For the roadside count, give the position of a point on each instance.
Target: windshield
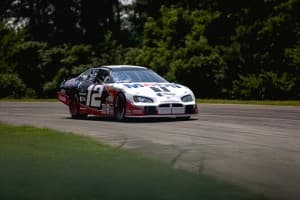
(136, 75)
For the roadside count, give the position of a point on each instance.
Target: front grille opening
(150, 110)
(166, 105)
(177, 105)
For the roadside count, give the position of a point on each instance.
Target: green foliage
(29, 66)
(176, 46)
(225, 53)
(11, 83)
(9, 40)
(266, 85)
(227, 49)
(65, 61)
(109, 52)
(11, 86)
(61, 62)
(72, 21)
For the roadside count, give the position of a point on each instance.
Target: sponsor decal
(134, 85)
(154, 86)
(168, 94)
(170, 101)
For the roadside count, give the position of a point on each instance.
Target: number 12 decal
(94, 95)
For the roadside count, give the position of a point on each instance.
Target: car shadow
(156, 120)
(132, 120)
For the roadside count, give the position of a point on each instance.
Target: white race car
(125, 91)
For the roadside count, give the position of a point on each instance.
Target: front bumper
(163, 110)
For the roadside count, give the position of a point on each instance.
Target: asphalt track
(257, 147)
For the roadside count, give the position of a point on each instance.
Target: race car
(125, 91)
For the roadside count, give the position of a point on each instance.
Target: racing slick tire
(74, 108)
(120, 108)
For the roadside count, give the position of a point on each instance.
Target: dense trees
(221, 49)
(69, 21)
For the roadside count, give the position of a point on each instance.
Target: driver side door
(92, 91)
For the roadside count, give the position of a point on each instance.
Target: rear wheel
(74, 107)
(120, 107)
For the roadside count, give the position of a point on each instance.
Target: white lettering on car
(94, 95)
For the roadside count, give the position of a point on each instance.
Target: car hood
(159, 92)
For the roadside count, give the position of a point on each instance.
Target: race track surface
(257, 147)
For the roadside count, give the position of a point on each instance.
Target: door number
(94, 95)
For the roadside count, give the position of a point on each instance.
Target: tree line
(248, 49)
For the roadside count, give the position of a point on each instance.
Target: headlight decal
(142, 99)
(187, 98)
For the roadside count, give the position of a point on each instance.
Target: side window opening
(102, 76)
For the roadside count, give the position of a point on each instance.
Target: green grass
(253, 102)
(45, 164)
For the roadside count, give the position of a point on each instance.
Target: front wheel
(120, 108)
(74, 108)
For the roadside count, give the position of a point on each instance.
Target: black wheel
(120, 108)
(75, 108)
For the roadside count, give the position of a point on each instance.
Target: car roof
(121, 67)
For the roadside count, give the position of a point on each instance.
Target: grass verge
(252, 102)
(45, 164)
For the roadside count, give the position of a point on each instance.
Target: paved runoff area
(257, 147)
